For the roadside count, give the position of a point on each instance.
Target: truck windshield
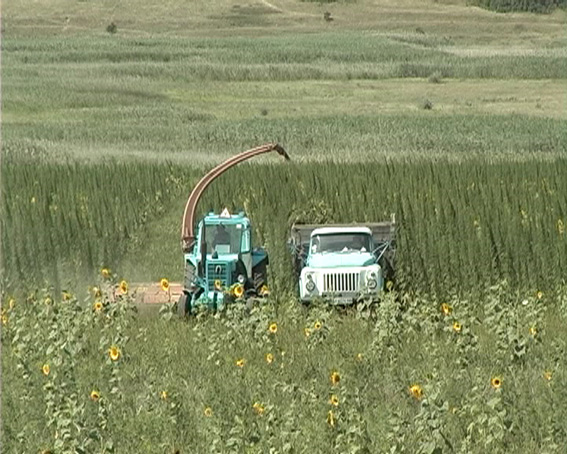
(223, 238)
(341, 242)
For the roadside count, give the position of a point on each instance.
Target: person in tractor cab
(221, 236)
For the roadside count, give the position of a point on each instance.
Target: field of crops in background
(451, 117)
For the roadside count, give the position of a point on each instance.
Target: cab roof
(338, 230)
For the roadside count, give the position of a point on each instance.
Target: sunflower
(208, 412)
(46, 369)
(496, 382)
(4, 319)
(264, 290)
(97, 306)
(114, 353)
(258, 408)
(335, 378)
(539, 295)
(239, 290)
(334, 400)
(164, 284)
(218, 284)
(95, 395)
(269, 358)
(241, 362)
(359, 357)
(163, 395)
(96, 292)
(317, 325)
(548, 375)
(307, 332)
(105, 273)
(331, 420)
(123, 287)
(66, 296)
(533, 331)
(11, 303)
(457, 327)
(416, 391)
(273, 328)
(446, 309)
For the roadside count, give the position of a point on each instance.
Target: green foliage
(263, 380)
(532, 6)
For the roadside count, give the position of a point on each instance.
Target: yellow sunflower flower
(359, 357)
(96, 292)
(533, 331)
(264, 290)
(46, 369)
(496, 382)
(334, 400)
(11, 303)
(457, 327)
(335, 378)
(317, 325)
(273, 328)
(258, 408)
(208, 412)
(97, 306)
(241, 362)
(4, 319)
(164, 284)
(416, 391)
(331, 420)
(163, 395)
(446, 309)
(539, 295)
(269, 358)
(67, 296)
(239, 290)
(123, 287)
(307, 332)
(95, 395)
(548, 375)
(114, 353)
(105, 273)
(218, 284)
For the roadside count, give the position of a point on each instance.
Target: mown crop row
(461, 225)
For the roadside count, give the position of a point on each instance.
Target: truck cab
(342, 263)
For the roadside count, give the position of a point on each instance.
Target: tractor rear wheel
(183, 308)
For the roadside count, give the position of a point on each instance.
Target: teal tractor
(220, 263)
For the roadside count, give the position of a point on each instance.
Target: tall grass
(451, 236)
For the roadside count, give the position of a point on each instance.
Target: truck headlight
(310, 285)
(372, 283)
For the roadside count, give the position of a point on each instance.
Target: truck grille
(341, 282)
(217, 271)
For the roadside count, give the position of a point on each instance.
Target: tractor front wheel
(183, 305)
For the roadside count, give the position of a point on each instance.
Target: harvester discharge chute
(218, 255)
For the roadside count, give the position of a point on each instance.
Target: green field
(450, 116)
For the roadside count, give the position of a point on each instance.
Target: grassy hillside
(450, 116)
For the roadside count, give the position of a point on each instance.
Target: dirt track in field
(152, 293)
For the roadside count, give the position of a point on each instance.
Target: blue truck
(343, 263)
